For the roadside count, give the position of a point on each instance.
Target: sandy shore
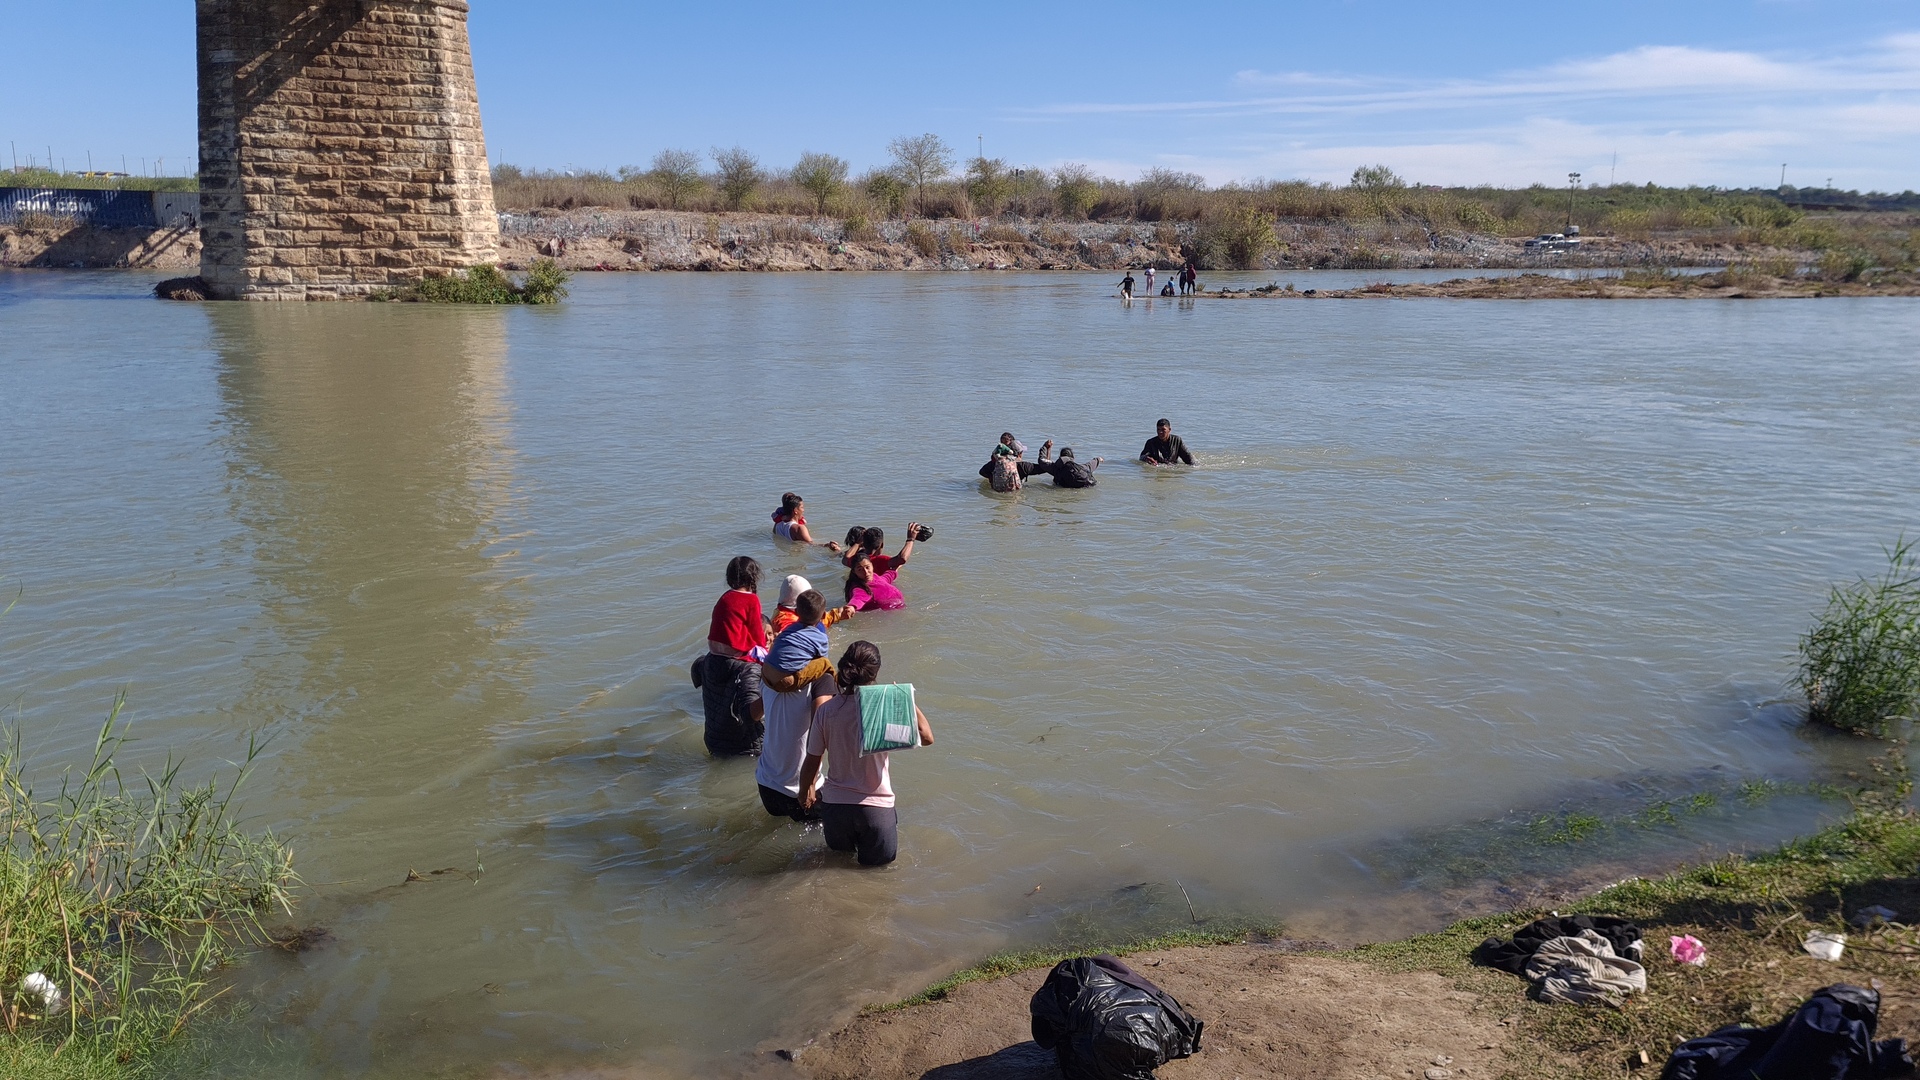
(1724, 285)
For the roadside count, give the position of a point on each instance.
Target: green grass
(1860, 664)
(544, 283)
(131, 894)
(1011, 963)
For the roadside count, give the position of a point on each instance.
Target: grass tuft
(1860, 664)
(545, 283)
(130, 895)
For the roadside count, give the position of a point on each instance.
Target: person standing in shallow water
(1165, 448)
(1126, 287)
(855, 804)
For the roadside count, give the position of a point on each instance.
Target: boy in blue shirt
(799, 654)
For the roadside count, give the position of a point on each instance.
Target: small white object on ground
(52, 1001)
(1824, 945)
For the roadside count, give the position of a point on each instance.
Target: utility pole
(1573, 181)
(1615, 167)
(1783, 174)
(983, 146)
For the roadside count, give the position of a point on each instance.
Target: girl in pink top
(856, 802)
(868, 591)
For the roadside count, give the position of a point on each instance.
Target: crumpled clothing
(1583, 971)
(1828, 1038)
(1513, 955)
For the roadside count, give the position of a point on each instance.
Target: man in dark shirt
(1165, 448)
(1068, 473)
(730, 693)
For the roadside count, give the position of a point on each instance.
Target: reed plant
(121, 899)
(1860, 663)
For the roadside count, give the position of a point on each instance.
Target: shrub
(545, 283)
(1838, 265)
(1860, 664)
(921, 238)
(886, 189)
(821, 176)
(1004, 235)
(1075, 190)
(860, 231)
(127, 895)
(920, 160)
(677, 174)
(1236, 238)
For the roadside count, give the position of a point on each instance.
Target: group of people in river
(768, 687)
(1188, 280)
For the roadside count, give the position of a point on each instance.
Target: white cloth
(784, 749)
(1583, 970)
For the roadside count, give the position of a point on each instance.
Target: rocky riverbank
(605, 239)
(1722, 285)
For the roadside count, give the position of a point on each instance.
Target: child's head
(874, 539)
(791, 589)
(1006, 438)
(855, 537)
(859, 665)
(743, 573)
(811, 607)
(790, 505)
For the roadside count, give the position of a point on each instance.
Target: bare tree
(921, 160)
(821, 176)
(739, 175)
(677, 172)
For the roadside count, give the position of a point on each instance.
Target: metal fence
(106, 207)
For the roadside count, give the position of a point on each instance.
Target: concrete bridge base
(340, 147)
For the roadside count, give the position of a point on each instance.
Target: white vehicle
(1553, 242)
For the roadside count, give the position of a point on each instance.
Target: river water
(1448, 568)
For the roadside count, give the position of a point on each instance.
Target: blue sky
(1682, 91)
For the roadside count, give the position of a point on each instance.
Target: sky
(1674, 92)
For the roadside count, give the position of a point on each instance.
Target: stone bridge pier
(340, 147)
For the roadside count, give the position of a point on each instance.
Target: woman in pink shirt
(871, 591)
(856, 802)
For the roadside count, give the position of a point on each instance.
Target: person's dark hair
(852, 569)
(874, 539)
(743, 573)
(1163, 422)
(1006, 437)
(788, 502)
(1066, 453)
(810, 606)
(855, 537)
(858, 667)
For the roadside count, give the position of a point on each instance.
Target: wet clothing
(1512, 956)
(1068, 473)
(797, 645)
(1828, 1038)
(783, 750)
(851, 777)
(878, 594)
(870, 832)
(737, 622)
(781, 804)
(784, 617)
(1166, 451)
(729, 689)
(1583, 970)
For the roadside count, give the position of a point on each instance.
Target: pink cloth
(851, 779)
(878, 594)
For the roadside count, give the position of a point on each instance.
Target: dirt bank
(606, 239)
(86, 247)
(1724, 285)
(1268, 1014)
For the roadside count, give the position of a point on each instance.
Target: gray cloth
(1583, 971)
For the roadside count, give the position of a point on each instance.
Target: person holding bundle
(854, 732)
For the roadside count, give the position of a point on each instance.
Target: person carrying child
(850, 731)
(790, 590)
(800, 678)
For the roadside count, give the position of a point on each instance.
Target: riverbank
(1276, 1008)
(658, 240)
(1730, 284)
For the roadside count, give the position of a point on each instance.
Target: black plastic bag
(1828, 1038)
(1105, 1021)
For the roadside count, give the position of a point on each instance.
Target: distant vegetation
(32, 177)
(1860, 664)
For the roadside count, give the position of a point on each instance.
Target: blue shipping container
(111, 209)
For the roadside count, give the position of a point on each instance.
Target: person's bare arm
(906, 549)
(926, 729)
(809, 773)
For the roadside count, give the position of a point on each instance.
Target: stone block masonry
(340, 147)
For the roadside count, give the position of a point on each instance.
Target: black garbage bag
(1105, 1021)
(1828, 1038)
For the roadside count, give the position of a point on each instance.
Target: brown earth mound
(1268, 1014)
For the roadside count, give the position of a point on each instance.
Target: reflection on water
(1452, 569)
